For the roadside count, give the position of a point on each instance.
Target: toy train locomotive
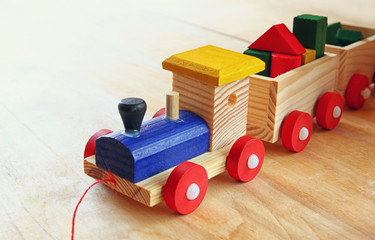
(227, 111)
(141, 157)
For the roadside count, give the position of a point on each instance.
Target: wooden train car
(271, 100)
(356, 68)
(283, 106)
(283, 102)
(218, 86)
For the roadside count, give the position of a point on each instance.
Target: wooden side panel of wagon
(272, 99)
(358, 57)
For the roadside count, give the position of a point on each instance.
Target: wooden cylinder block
(172, 108)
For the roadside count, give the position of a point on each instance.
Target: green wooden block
(346, 36)
(265, 56)
(311, 31)
(332, 30)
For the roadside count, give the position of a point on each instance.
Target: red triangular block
(278, 39)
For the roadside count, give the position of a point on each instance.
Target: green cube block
(346, 36)
(311, 31)
(265, 56)
(332, 30)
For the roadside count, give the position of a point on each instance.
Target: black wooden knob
(132, 111)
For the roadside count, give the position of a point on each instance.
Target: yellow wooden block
(213, 65)
(308, 56)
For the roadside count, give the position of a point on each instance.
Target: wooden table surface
(65, 65)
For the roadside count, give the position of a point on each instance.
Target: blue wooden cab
(162, 144)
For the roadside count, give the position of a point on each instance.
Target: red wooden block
(245, 158)
(329, 110)
(186, 187)
(90, 145)
(282, 63)
(296, 131)
(278, 39)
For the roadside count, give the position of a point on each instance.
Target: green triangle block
(346, 36)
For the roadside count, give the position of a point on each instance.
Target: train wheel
(159, 113)
(357, 91)
(90, 145)
(186, 187)
(245, 158)
(296, 131)
(329, 110)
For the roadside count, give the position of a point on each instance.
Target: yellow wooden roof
(213, 65)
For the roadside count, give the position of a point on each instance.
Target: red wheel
(357, 91)
(90, 145)
(159, 113)
(329, 110)
(296, 131)
(186, 187)
(245, 158)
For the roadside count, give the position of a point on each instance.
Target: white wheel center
(303, 134)
(253, 161)
(193, 191)
(336, 112)
(366, 93)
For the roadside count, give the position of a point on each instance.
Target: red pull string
(109, 179)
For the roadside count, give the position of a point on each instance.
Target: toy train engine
(172, 156)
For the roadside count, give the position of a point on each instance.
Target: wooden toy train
(228, 111)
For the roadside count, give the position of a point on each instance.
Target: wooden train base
(150, 191)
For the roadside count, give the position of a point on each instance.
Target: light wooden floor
(64, 67)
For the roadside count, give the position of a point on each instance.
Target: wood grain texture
(150, 191)
(355, 58)
(224, 108)
(272, 99)
(64, 67)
